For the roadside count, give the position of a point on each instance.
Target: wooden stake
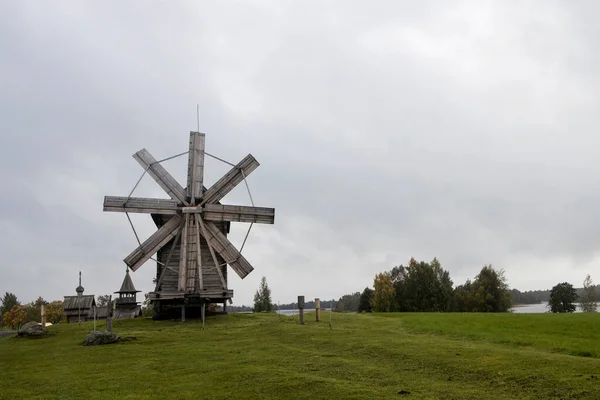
(203, 314)
(301, 308)
(183, 313)
(94, 318)
(43, 311)
(330, 310)
(318, 309)
(109, 315)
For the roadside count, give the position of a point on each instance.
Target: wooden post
(318, 309)
(109, 314)
(203, 314)
(43, 315)
(94, 318)
(330, 311)
(301, 308)
(183, 313)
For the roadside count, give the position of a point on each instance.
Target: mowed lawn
(268, 356)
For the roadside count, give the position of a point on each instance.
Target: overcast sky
(463, 130)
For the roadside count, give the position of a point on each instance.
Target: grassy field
(247, 356)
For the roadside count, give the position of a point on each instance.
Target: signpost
(301, 308)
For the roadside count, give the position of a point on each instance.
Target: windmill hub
(191, 241)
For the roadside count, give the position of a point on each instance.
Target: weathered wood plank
(199, 254)
(140, 205)
(181, 285)
(226, 250)
(220, 212)
(195, 166)
(172, 252)
(212, 253)
(230, 180)
(192, 256)
(216, 293)
(161, 176)
(153, 243)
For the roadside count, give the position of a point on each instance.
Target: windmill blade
(161, 176)
(219, 212)
(140, 205)
(161, 237)
(230, 180)
(226, 250)
(195, 166)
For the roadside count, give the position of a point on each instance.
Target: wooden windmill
(191, 241)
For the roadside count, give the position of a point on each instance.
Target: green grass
(267, 356)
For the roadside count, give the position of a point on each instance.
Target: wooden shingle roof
(127, 285)
(77, 302)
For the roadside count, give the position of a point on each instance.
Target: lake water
(524, 309)
(295, 312)
(538, 308)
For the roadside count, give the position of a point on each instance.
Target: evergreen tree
(366, 300)
(9, 300)
(262, 298)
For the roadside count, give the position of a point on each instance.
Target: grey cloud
(465, 132)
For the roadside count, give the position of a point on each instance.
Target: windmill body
(191, 241)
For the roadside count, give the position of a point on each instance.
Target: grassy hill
(247, 356)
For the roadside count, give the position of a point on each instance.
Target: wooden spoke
(195, 166)
(140, 205)
(226, 250)
(230, 180)
(218, 212)
(161, 176)
(153, 243)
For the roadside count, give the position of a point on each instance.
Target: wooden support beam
(226, 250)
(192, 255)
(233, 213)
(199, 254)
(153, 243)
(161, 176)
(230, 180)
(207, 293)
(140, 205)
(181, 284)
(195, 166)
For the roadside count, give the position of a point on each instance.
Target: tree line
(427, 287)
(14, 314)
